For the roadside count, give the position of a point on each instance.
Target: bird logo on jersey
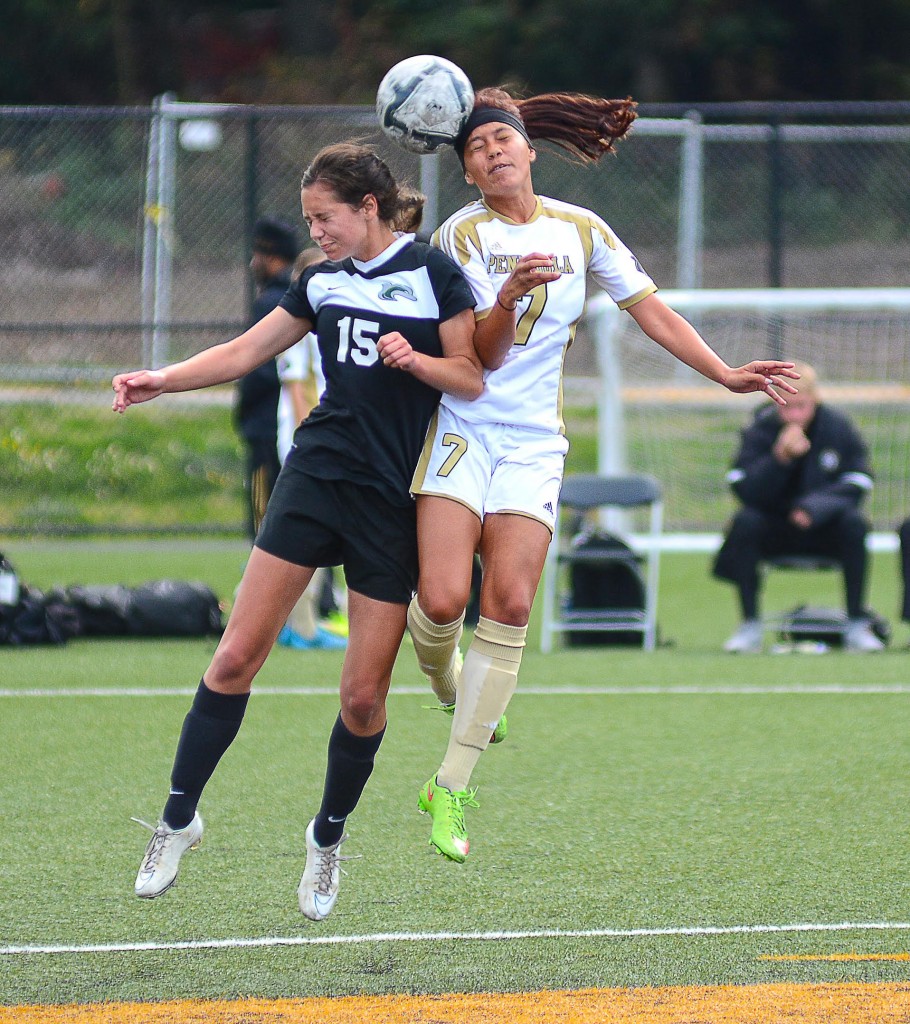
(392, 289)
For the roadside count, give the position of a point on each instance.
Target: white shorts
(492, 467)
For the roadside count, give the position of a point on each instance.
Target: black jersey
(371, 420)
(833, 475)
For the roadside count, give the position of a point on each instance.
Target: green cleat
(501, 730)
(498, 734)
(446, 808)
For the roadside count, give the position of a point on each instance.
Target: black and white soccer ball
(423, 102)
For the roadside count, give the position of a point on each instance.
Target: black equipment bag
(606, 576)
(26, 615)
(172, 608)
(163, 608)
(826, 625)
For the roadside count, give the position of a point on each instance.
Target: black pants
(262, 467)
(755, 536)
(903, 533)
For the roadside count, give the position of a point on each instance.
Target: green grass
(176, 465)
(620, 811)
(84, 468)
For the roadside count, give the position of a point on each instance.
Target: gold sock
(488, 680)
(436, 646)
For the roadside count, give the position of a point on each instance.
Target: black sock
(208, 730)
(350, 765)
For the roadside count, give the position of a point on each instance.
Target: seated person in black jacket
(801, 474)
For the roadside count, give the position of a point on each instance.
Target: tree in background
(335, 51)
(669, 50)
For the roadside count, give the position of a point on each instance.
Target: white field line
(528, 691)
(695, 931)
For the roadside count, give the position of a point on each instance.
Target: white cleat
(318, 887)
(747, 639)
(159, 867)
(859, 637)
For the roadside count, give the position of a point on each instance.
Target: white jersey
(300, 362)
(527, 389)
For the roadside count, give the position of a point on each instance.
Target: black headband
(487, 115)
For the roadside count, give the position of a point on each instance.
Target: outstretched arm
(674, 333)
(217, 365)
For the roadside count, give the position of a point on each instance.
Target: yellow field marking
(836, 957)
(885, 1003)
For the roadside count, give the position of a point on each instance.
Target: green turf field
(665, 818)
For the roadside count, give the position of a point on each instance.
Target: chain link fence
(126, 232)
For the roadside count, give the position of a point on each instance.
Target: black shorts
(316, 522)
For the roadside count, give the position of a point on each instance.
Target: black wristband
(510, 309)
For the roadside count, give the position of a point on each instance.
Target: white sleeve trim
(861, 480)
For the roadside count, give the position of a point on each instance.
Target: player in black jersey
(394, 321)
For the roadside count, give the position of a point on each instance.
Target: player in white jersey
(491, 470)
(302, 383)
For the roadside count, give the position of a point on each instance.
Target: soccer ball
(423, 102)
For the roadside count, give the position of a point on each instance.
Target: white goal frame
(603, 321)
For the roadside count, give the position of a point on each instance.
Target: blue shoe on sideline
(326, 641)
(322, 640)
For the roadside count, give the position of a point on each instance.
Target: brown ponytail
(587, 127)
(410, 209)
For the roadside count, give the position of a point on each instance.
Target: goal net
(656, 415)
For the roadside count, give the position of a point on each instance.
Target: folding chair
(583, 494)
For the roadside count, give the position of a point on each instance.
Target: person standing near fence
(394, 324)
(491, 470)
(275, 247)
(903, 537)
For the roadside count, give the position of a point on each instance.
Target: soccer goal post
(656, 415)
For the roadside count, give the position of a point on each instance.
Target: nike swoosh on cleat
(323, 905)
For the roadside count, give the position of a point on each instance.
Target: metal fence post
(611, 421)
(775, 229)
(690, 238)
(157, 247)
(147, 299)
(251, 203)
(429, 185)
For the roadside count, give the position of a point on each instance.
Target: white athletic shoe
(859, 637)
(318, 887)
(159, 867)
(747, 639)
